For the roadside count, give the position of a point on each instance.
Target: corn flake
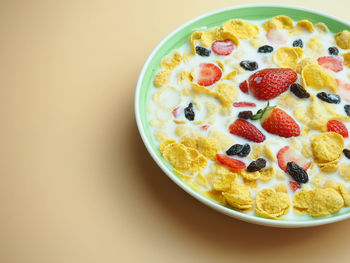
(316, 77)
(181, 130)
(302, 200)
(317, 181)
(195, 37)
(239, 196)
(160, 136)
(231, 76)
(271, 204)
(215, 195)
(344, 193)
(161, 78)
(304, 62)
(202, 181)
(325, 202)
(327, 147)
(172, 61)
(224, 140)
(281, 188)
(306, 24)
(287, 57)
(208, 147)
(251, 183)
(209, 36)
(344, 171)
(224, 182)
(250, 175)
(346, 57)
(321, 27)
(343, 39)
(267, 174)
(241, 29)
(279, 22)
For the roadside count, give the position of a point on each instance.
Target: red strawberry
(175, 112)
(343, 90)
(223, 48)
(209, 73)
(286, 155)
(277, 36)
(294, 185)
(246, 130)
(338, 127)
(330, 62)
(205, 127)
(244, 87)
(268, 83)
(230, 162)
(244, 104)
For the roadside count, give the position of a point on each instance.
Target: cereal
(238, 196)
(279, 22)
(181, 130)
(224, 182)
(215, 195)
(267, 174)
(161, 78)
(160, 136)
(281, 188)
(316, 77)
(306, 24)
(317, 181)
(253, 184)
(224, 140)
(346, 57)
(202, 181)
(183, 175)
(208, 147)
(210, 36)
(171, 62)
(241, 29)
(250, 175)
(287, 100)
(326, 147)
(231, 76)
(325, 202)
(321, 27)
(304, 62)
(343, 39)
(287, 57)
(271, 204)
(302, 200)
(315, 46)
(195, 37)
(344, 193)
(344, 171)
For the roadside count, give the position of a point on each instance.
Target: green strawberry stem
(260, 113)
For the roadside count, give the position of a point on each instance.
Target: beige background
(77, 184)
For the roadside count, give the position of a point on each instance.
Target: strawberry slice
(343, 90)
(294, 186)
(286, 155)
(223, 48)
(244, 104)
(330, 62)
(338, 127)
(244, 87)
(175, 112)
(277, 36)
(268, 83)
(230, 162)
(209, 73)
(205, 127)
(246, 130)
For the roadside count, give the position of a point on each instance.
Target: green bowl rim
(225, 210)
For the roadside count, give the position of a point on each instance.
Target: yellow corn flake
(157, 124)
(211, 108)
(294, 143)
(344, 171)
(287, 100)
(179, 121)
(186, 75)
(343, 39)
(195, 37)
(224, 182)
(216, 196)
(177, 155)
(317, 181)
(172, 61)
(258, 150)
(165, 144)
(241, 29)
(257, 41)
(280, 175)
(314, 76)
(306, 24)
(278, 22)
(231, 76)
(190, 140)
(304, 62)
(216, 34)
(161, 78)
(250, 175)
(186, 91)
(181, 130)
(287, 57)
(208, 147)
(226, 93)
(282, 188)
(302, 200)
(183, 175)
(268, 151)
(344, 193)
(305, 131)
(160, 136)
(221, 65)
(251, 183)
(267, 174)
(346, 57)
(315, 45)
(325, 202)
(224, 140)
(221, 170)
(331, 184)
(321, 27)
(271, 204)
(239, 196)
(198, 164)
(329, 167)
(335, 115)
(327, 147)
(202, 181)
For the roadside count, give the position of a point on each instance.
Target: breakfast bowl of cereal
(247, 109)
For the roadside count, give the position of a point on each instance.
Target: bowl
(176, 39)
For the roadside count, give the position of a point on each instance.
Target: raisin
(245, 114)
(330, 98)
(333, 51)
(346, 153)
(245, 151)
(256, 165)
(189, 113)
(297, 172)
(203, 51)
(265, 49)
(299, 91)
(347, 109)
(234, 149)
(249, 65)
(298, 43)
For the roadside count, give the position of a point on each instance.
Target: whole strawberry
(246, 130)
(277, 121)
(268, 83)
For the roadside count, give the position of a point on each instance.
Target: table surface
(77, 184)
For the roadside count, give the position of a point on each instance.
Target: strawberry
(230, 162)
(330, 62)
(244, 104)
(244, 87)
(343, 90)
(338, 127)
(286, 155)
(246, 130)
(268, 83)
(175, 112)
(209, 73)
(205, 127)
(277, 36)
(223, 48)
(294, 186)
